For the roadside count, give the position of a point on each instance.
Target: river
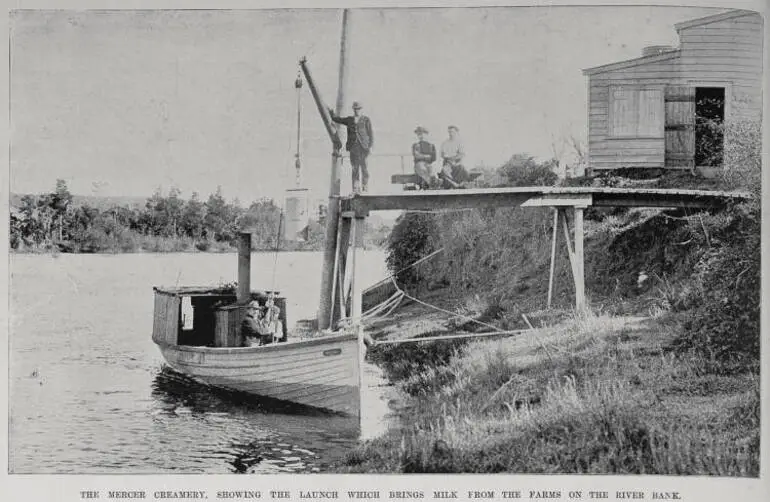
(89, 392)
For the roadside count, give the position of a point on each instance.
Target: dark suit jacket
(360, 132)
(423, 148)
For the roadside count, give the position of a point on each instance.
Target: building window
(636, 112)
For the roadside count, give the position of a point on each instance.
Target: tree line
(166, 223)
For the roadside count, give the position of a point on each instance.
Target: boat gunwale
(323, 340)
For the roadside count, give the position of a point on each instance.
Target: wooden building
(674, 107)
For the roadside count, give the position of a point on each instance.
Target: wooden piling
(554, 238)
(580, 294)
(340, 266)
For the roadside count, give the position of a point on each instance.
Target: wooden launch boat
(322, 371)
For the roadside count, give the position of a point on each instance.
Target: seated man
(424, 154)
(261, 325)
(452, 152)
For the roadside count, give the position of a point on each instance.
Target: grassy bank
(595, 394)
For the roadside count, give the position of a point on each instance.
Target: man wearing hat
(359, 144)
(424, 154)
(261, 324)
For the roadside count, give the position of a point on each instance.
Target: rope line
(463, 316)
(395, 300)
(395, 274)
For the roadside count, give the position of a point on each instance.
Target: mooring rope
(389, 305)
(434, 307)
(395, 274)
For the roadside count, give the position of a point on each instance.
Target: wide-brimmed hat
(453, 127)
(254, 305)
(357, 105)
(420, 129)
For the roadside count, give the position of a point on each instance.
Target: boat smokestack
(244, 267)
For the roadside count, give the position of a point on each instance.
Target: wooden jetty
(564, 200)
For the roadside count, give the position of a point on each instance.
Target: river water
(89, 392)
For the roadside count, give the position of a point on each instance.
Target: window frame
(638, 88)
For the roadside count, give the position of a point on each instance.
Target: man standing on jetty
(359, 144)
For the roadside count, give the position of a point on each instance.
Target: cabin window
(636, 112)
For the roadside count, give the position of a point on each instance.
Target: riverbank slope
(593, 394)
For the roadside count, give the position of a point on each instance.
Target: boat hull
(322, 372)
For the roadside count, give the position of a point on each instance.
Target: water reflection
(283, 437)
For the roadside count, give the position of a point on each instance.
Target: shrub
(413, 237)
(743, 156)
(522, 170)
(725, 325)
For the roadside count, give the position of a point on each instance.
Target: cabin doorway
(709, 126)
(694, 127)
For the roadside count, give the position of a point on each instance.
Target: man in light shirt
(452, 152)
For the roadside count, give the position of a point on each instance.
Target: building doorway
(709, 126)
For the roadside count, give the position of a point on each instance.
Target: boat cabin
(679, 107)
(204, 317)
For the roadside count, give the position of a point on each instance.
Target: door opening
(709, 126)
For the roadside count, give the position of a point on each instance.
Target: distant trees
(167, 222)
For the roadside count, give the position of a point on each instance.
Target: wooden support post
(335, 282)
(243, 294)
(554, 239)
(342, 295)
(355, 281)
(356, 287)
(332, 217)
(580, 292)
(568, 239)
(340, 267)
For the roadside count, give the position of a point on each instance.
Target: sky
(125, 102)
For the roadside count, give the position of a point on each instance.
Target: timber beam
(658, 201)
(426, 200)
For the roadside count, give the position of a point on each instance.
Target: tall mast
(332, 215)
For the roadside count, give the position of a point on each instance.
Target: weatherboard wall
(723, 50)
